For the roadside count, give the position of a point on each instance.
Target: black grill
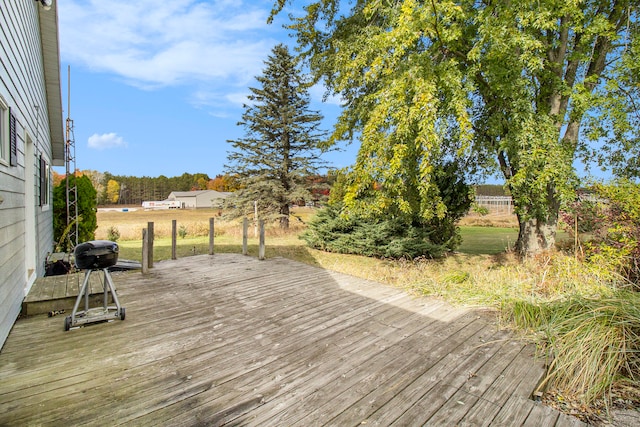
(96, 254)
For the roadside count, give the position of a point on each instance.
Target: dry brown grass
(196, 221)
(490, 220)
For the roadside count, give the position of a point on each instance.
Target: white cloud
(318, 91)
(106, 141)
(155, 44)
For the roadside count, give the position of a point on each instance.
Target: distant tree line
(123, 189)
(490, 190)
(132, 190)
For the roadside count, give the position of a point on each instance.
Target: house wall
(26, 228)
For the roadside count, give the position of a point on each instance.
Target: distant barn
(199, 199)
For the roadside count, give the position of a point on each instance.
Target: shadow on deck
(228, 339)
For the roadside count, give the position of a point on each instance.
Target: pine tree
(282, 142)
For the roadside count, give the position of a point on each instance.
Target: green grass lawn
(493, 240)
(487, 240)
(476, 241)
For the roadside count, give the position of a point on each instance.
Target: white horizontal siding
(22, 86)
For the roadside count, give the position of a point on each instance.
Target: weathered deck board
(232, 340)
(56, 293)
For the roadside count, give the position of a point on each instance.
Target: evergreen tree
(281, 145)
(392, 234)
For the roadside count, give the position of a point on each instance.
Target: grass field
(477, 240)
(487, 240)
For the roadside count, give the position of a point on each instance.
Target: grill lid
(96, 254)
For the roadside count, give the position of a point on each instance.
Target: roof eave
(51, 61)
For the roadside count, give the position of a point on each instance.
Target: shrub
(395, 233)
(87, 219)
(182, 231)
(384, 238)
(613, 225)
(113, 234)
(586, 213)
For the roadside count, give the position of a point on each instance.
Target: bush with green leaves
(113, 234)
(182, 231)
(385, 237)
(613, 226)
(86, 203)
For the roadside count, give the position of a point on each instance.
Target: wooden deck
(228, 339)
(59, 293)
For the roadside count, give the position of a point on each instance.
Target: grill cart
(93, 256)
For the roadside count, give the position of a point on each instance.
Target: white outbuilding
(210, 199)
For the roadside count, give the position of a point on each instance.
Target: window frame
(5, 146)
(44, 182)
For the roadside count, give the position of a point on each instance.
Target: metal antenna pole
(70, 163)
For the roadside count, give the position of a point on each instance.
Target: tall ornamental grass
(593, 342)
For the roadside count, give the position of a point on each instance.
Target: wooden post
(245, 226)
(211, 234)
(261, 245)
(575, 236)
(174, 228)
(150, 237)
(255, 219)
(145, 251)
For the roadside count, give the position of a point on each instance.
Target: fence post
(261, 245)
(174, 228)
(150, 237)
(211, 234)
(145, 251)
(245, 226)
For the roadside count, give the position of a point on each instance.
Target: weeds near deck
(595, 341)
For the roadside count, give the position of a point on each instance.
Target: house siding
(22, 87)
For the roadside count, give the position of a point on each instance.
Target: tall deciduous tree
(281, 145)
(113, 191)
(522, 87)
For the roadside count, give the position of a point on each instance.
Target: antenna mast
(70, 163)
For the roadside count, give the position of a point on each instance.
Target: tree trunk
(535, 236)
(284, 218)
(538, 233)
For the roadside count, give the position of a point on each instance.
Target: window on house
(44, 179)
(8, 135)
(4, 132)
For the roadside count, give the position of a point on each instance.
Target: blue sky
(157, 87)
